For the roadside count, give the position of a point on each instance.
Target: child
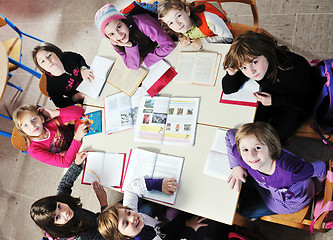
(289, 86)
(64, 71)
(138, 38)
(197, 23)
(285, 183)
(123, 221)
(48, 139)
(62, 215)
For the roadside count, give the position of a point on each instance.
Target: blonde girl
(278, 181)
(48, 139)
(196, 23)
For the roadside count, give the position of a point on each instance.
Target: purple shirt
(291, 187)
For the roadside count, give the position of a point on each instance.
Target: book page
(166, 167)
(217, 162)
(243, 95)
(205, 67)
(181, 121)
(101, 67)
(93, 167)
(154, 73)
(185, 67)
(118, 113)
(151, 120)
(125, 79)
(135, 100)
(113, 169)
(141, 163)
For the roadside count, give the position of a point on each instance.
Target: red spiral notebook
(142, 163)
(244, 96)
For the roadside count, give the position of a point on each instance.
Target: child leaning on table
(64, 71)
(138, 38)
(119, 222)
(281, 182)
(48, 139)
(194, 23)
(289, 86)
(62, 216)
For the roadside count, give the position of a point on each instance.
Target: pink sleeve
(152, 29)
(63, 159)
(70, 113)
(131, 56)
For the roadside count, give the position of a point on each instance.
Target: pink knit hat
(105, 15)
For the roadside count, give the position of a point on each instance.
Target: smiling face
(178, 20)
(32, 124)
(117, 31)
(256, 69)
(50, 62)
(256, 154)
(63, 213)
(129, 222)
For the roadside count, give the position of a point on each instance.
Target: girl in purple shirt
(138, 38)
(285, 183)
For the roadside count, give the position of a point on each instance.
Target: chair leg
(3, 116)
(14, 86)
(5, 134)
(31, 71)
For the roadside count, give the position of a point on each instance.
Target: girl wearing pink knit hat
(138, 38)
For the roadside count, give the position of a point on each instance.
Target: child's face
(49, 61)
(32, 124)
(255, 154)
(129, 222)
(63, 213)
(117, 31)
(256, 69)
(178, 20)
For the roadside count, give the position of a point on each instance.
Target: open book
(198, 67)
(244, 96)
(125, 79)
(101, 67)
(142, 163)
(121, 110)
(105, 168)
(167, 120)
(159, 75)
(217, 162)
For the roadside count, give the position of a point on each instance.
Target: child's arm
(67, 181)
(131, 56)
(100, 194)
(232, 83)
(70, 113)
(152, 29)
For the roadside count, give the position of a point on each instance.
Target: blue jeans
(251, 204)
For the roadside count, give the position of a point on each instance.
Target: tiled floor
(305, 26)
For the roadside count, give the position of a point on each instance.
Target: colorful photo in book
(95, 121)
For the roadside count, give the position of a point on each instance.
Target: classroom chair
(303, 218)
(18, 140)
(42, 85)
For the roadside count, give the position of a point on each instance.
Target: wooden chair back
(42, 85)
(302, 219)
(18, 141)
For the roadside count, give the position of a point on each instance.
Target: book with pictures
(142, 163)
(120, 110)
(198, 67)
(101, 68)
(217, 162)
(95, 121)
(105, 168)
(167, 120)
(244, 96)
(125, 79)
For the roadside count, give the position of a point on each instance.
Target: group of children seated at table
(274, 180)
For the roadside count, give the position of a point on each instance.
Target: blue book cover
(95, 120)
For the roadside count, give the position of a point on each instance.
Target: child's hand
(231, 71)
(238, 175)
(169, 186)
(185, 41)
(100, 194)
(50, 114)
(128, 44)
(80, 158)
(195, 222)
(264, 97)
(78, 96)
(87, 74)
(196, 44)
(81, 131)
